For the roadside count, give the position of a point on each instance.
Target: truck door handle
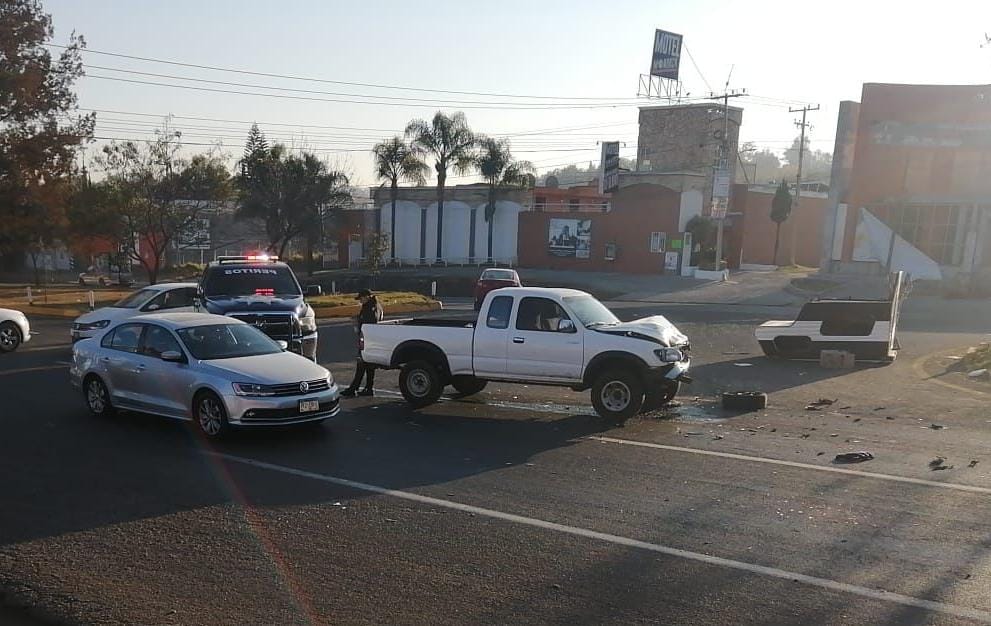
(518, 340)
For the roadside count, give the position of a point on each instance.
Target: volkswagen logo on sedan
(304, 387)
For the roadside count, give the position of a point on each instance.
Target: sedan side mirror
(283, 344)
(314, 290)
(565, 326)
(173, 356)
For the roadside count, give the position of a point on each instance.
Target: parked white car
(14, 329)
(172, 297)
(217, 371)
(542, 336)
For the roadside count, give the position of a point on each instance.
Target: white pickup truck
(541, 336)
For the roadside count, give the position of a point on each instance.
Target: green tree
(395, 160)
(500, 171)
(780, 211)
(158, 194)
(451, 143)
(40, 131)
(291, 193)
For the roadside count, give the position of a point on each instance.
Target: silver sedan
(216, 371)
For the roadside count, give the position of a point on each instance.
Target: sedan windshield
(590, 312)
(250, 281)
(136, 299)
(226, 341)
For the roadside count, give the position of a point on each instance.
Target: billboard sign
(195, 235)
(720, 183)
(667, 55)
(609, 167)
(571, 238)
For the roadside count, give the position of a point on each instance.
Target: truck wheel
(468, 385)
(10, 337)
(657, 398)
(420, 383)
(617, 394)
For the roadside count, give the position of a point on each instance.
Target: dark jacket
(370, 313)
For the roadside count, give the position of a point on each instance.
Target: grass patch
(796, 269)
(977, 358)
(18, 299)
(815, 285)
(385, 298)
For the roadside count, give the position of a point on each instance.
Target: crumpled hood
(655, 328)
(268, 369)
(105, 313)
(222, 305)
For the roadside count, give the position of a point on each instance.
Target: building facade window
(658, 242)
(539, 203)
(610, 252)
(573, 204)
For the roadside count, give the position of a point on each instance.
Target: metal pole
(798, 180)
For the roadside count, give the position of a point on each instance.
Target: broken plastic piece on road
(973, 463)
(822, 402)
(743, 364)
(853, 457)
(981, 373)
(936, 427)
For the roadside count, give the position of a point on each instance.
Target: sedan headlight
(669, 355)
(91, 325)
(252, 389)
(308, 323)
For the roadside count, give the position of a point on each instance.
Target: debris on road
(938, 464)
(853, 457)
(812, 407)
(936, 427)
(744, 364)
(981, 373)
(880, 408)
(973, 463)
(744, 400)
(837, 359)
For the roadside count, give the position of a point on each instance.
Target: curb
(919, 367)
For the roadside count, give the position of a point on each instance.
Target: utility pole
(720, 203)
(798, 178)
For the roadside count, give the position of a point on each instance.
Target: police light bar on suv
(251, 257)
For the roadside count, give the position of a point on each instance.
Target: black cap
(363, 293)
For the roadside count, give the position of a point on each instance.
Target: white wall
(457, 229)
(691, 205)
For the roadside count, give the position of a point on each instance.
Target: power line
(345, 101)
(319, 80)
(696, 66)
(433, 101)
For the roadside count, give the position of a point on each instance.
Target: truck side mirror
(314, 290)
(565, 326)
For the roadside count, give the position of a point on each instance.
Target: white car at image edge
(14, 329)
(160, 298)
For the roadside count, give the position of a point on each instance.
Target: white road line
(821, 468)
(824, 583)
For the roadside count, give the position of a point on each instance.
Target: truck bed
(448, 322)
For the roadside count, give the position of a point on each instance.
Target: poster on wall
(671, 261)
(570, 238)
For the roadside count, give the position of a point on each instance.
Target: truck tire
(617, 394)
(420, 383)
(657, 398)
(468, 385)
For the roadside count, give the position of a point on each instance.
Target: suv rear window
(250, 280)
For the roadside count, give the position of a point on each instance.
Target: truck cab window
(539, 314)
(499, 312)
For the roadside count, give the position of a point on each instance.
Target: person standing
(370, 313)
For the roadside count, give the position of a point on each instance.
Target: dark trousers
(363, 370)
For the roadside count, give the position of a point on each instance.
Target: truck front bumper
(669, 372)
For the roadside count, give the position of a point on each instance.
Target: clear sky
(819, 53)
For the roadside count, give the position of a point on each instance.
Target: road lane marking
(821, 468)
(773, 572)
(33, 369)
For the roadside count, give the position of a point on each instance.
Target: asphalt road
(514, 506)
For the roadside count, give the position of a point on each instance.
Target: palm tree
(496, 165)
(395, 161)
(449, 140)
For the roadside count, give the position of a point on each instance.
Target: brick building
(687, 138)
(912, 181)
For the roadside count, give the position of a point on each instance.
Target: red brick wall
(637, 211)
(914, 165)
(758, 229)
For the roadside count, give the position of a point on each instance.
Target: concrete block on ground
(837, 359)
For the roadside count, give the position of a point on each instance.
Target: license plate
(309, 406)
